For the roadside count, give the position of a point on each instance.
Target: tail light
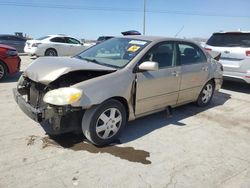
(208, 49)
(248, 53)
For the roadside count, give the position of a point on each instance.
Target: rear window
(42, 38)
(230, 40)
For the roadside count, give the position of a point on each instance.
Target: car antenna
(179, 31)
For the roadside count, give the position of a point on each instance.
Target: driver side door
(157, 89)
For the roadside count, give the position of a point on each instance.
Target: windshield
(230, 40)
(115, 52)
(41, 38)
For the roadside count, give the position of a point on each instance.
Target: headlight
(62, 96)
(11, 53)
(36, 44)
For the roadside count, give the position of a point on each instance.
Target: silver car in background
(119, 80)
(235, 54)
(14, 41)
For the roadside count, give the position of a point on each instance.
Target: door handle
(204, 69)
(175, 73)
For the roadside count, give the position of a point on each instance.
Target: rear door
(194, 71)
(75, 46)
(158, 89)
(61, 46)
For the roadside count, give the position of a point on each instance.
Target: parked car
(116, 81)
(235, 54)
(9, 61)
(54, 45)
(103, 38)
(130, 32)
(14, 41)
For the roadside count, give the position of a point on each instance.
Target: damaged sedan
(119, 80)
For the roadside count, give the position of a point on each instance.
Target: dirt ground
(196, 147)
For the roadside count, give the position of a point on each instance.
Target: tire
(104, 123)
(50, 52)
(3, 71)
(206, 94)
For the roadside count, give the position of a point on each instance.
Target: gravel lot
(196, 147)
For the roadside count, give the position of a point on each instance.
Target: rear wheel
(3, 70)
(103, 124)
(206, 94)
(50, 52)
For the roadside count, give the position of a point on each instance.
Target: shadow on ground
(147, 124)
(236, 86)
(133, 131)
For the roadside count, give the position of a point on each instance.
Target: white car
(234, 47)
(54, 45)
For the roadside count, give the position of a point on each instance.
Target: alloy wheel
(2, 71)
(108, 123)
(207, 93)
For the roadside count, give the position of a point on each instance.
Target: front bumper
(37, 114)
(54, 120)
(218, 83)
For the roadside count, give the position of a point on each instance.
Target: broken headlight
(62, 96)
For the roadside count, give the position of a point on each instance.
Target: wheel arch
(123, 101)
(5, 65)
(50, 48)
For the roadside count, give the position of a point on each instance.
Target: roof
(155, 38)
(9, 35)
(224, 32)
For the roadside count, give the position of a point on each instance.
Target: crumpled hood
(47, 69)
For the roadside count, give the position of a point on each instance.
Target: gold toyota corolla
(119, 80)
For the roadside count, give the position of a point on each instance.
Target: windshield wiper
(96, 61)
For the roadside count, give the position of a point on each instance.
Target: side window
(190, 54)
(163, 54)
(72, 41)
(58, 39)
(4, 38)
(18, 39)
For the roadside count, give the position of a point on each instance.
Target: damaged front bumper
(54, 120)
(37, 114)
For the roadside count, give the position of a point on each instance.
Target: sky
(89, 19)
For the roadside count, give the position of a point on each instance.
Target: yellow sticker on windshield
(133, 48)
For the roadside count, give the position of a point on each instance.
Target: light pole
(144, 18)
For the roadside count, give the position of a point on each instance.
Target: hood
(7, 47)
(47, 69)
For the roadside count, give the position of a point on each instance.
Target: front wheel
(3, 70)
(206, 94)
(103, 124)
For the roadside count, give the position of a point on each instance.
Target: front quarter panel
(97, 90)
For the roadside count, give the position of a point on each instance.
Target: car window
(3, 38)
(17, 39)
(190, 54)
(163, 54)
(230, 39)
(115, 52)
(42, 38)
(72, 41)
(58, 39)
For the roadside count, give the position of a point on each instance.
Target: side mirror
(149, 66)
